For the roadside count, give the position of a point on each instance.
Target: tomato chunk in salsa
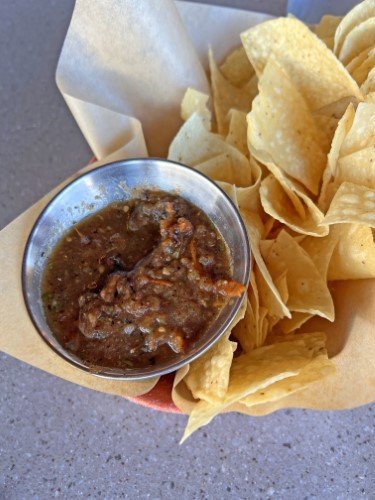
(136, 283)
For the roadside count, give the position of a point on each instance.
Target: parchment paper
(125, 63)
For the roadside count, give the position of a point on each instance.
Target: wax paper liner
(123, 70)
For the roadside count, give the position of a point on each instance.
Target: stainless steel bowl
(119, 181)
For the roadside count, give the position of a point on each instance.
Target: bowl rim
(63, 354)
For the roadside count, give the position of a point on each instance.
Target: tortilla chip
(289, 325)
(327, 26)
(358, 168)
(229, 189)
(320, 251)
(246, 331)
(342, 130)
(268, 226)
(276, 202)
(194, 145)
(237, 133)
(370, 98)
(277, 227)
(357, 61)
(368, 85)
(350, 158)
(308, 291)
(237, 68)
(353, 18)
(327, 119)
(248, 197)
(272, 324)
(337, 108)
(257, 370)
(254, 228)
(251, 87)
(196, 102)
(299, 237)
(291, 189)
(360, 38)
(354, 255)
(326, 125)
(252, 331)
(292, 143)
(266, 245)
(226, 96)
(226, 168)
(312, 67)
(282, 286)
(329, 42)
(319, 368)
(352, 203)
(253, 295)
(208, 376)
(361, 72)
(278, 205)
(263, 324)
(267, 298)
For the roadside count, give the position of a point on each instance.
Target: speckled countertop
(60, 440)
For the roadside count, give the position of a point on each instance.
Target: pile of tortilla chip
(292, 142)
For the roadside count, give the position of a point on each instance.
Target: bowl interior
(120, 181)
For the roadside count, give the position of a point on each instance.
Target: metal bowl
(116, 181)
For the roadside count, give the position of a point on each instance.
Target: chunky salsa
(137, 282)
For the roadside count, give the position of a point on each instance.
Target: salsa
(136, 283)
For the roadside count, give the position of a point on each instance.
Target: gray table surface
(61, 440)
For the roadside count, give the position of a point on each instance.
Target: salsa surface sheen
(136, 283)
